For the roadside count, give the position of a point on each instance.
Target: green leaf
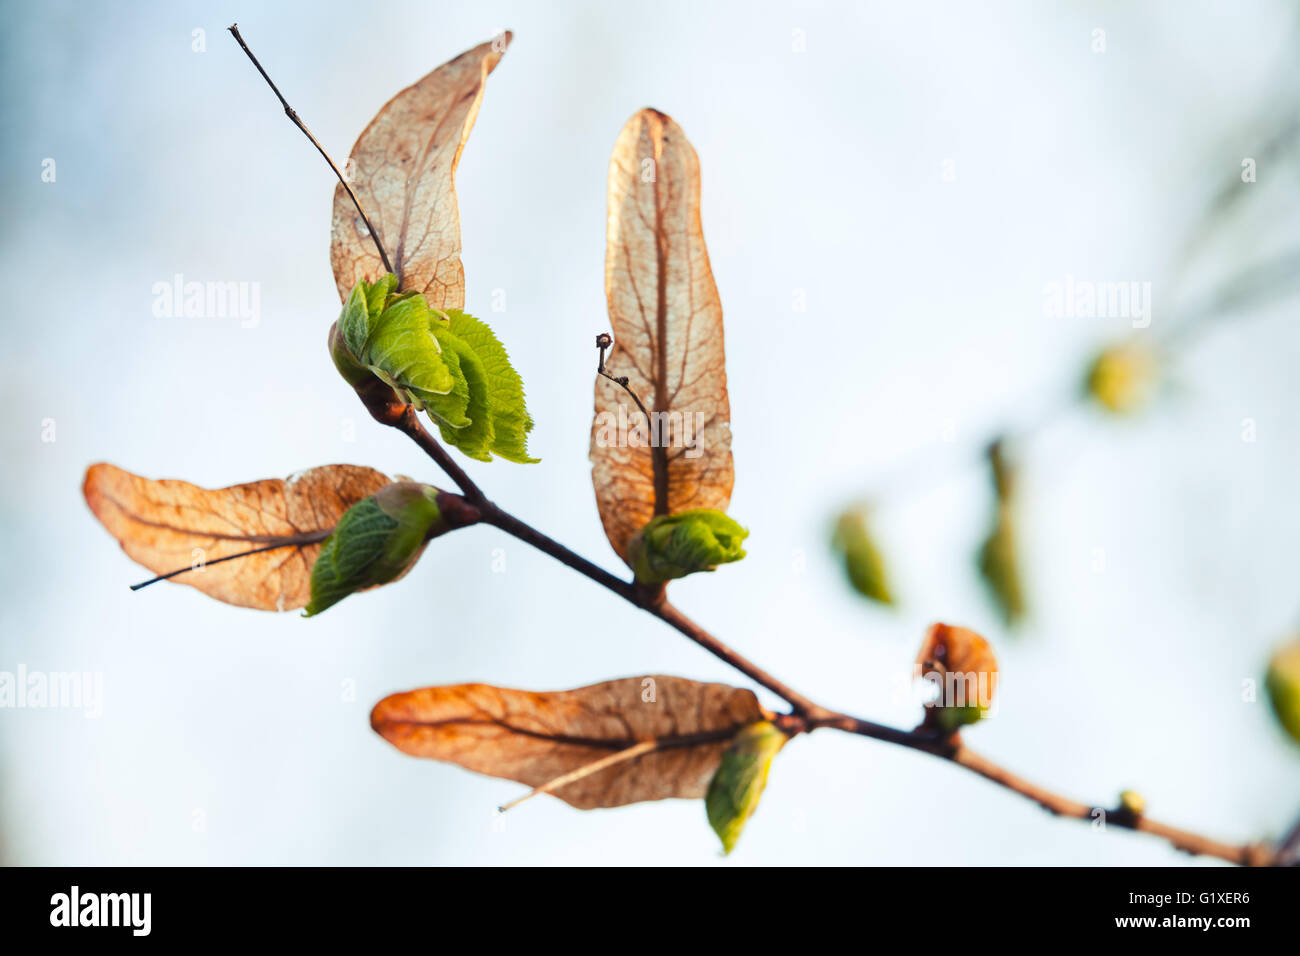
(999, 566)
(1283, 685)
(862, 560)
(739, 780)
(448, 364)
(673, 546)
(475, 436)
(511, 422)
(354, 322)
(999, 554)
(375, 541)
(377, 293)
(361, 310)
(404, 351)
(454, 409)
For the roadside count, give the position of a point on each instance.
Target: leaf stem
(636, 750)
(286, 541)
(290, 112)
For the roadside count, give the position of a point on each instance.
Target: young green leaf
(737, 786)
(474, 436)
(448, 364)
(403, 350)
(1283, 685)
(999, 555)
(363, 306)
(673, 546)
(511, 422)
(999, 566)
(376, 541)
(862, 560)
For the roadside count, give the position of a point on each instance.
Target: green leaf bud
(862, 559)
(376, 541)
(739, 780)
(673, 546)
(1283, 685)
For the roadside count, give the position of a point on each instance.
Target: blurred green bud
(999, 555)
(862, 560)
(376, 541)
(1122, 378)
(999, 567)
(1132, 802)
(1283, 685)
(739, 781)
(673, 546)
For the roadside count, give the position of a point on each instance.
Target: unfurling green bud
(347, 344)
(740, 778)
(396, 350)
(862, 561)
(376, 541)
(353, 372)
(1283, 685)
(1123, 378)
(673, 546)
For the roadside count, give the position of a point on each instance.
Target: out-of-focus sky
(915, 173)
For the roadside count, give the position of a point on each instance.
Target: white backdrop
(227, 735)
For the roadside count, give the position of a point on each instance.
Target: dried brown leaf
(403, 169)
(169, 524)
(948, 649)
(667, 324)
(533, 738)
(963, 668)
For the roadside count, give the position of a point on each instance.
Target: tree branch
(808, 716)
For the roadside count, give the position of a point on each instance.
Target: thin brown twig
(408, 422)
(290, 112)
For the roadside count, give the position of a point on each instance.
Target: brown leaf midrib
(595, 743)
(658, 453)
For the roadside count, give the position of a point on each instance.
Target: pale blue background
(822, 173)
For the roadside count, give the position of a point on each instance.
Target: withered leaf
(667, 324)
(962, 666)
(169, 524)
(533, 737)
(402, 169)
